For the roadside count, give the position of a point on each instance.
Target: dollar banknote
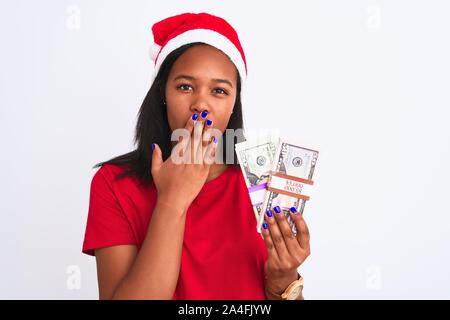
(256, 158)
(290, 181)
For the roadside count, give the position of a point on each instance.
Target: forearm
(154, 274)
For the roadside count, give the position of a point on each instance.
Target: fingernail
(204, 114)
(269, 213)
(209, 122)
(265, 226)
(216, 140)
(293, 210)
(153, 147)
(194, 116)
(277, 209)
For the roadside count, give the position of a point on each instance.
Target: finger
(191, 122)
(203, 115)
(271, 251)
(209, 152)
(277, 237)
(302, 229)
(213, 135)
(292, 245)
(157, 160)
(197, 150)
(189, 127)
(207, 137)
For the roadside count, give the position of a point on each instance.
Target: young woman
(161, 229)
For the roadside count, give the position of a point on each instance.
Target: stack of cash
(256, 158)
(277, 173)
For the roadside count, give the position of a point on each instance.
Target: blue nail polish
(269, 213)
(215, 140)
(204, 114)
(209, 122)
(153, 147)
(277, 209)
(293, 210)
(194, 116)
(265, 226)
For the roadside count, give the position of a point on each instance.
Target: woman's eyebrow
(187, 77)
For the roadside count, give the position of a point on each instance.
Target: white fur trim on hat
(209, 37)
(154, 50)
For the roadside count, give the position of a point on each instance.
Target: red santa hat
(171, 33)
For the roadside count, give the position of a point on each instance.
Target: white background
(365, 82)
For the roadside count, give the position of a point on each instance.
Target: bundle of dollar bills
(276, 173)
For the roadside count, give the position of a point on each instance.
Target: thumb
(157, 160)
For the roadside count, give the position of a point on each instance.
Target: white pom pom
(154, 50)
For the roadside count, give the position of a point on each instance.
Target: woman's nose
(200, 103)
(200, 108)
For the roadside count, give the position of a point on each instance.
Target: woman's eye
(220, 89)
(182, 86)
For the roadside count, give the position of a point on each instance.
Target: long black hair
(153, 126)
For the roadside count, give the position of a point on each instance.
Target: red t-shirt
(223, 256)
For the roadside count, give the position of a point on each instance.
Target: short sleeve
(106, 224)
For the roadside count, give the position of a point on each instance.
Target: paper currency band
(257, 187)
(257, 194)
(289, 185)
